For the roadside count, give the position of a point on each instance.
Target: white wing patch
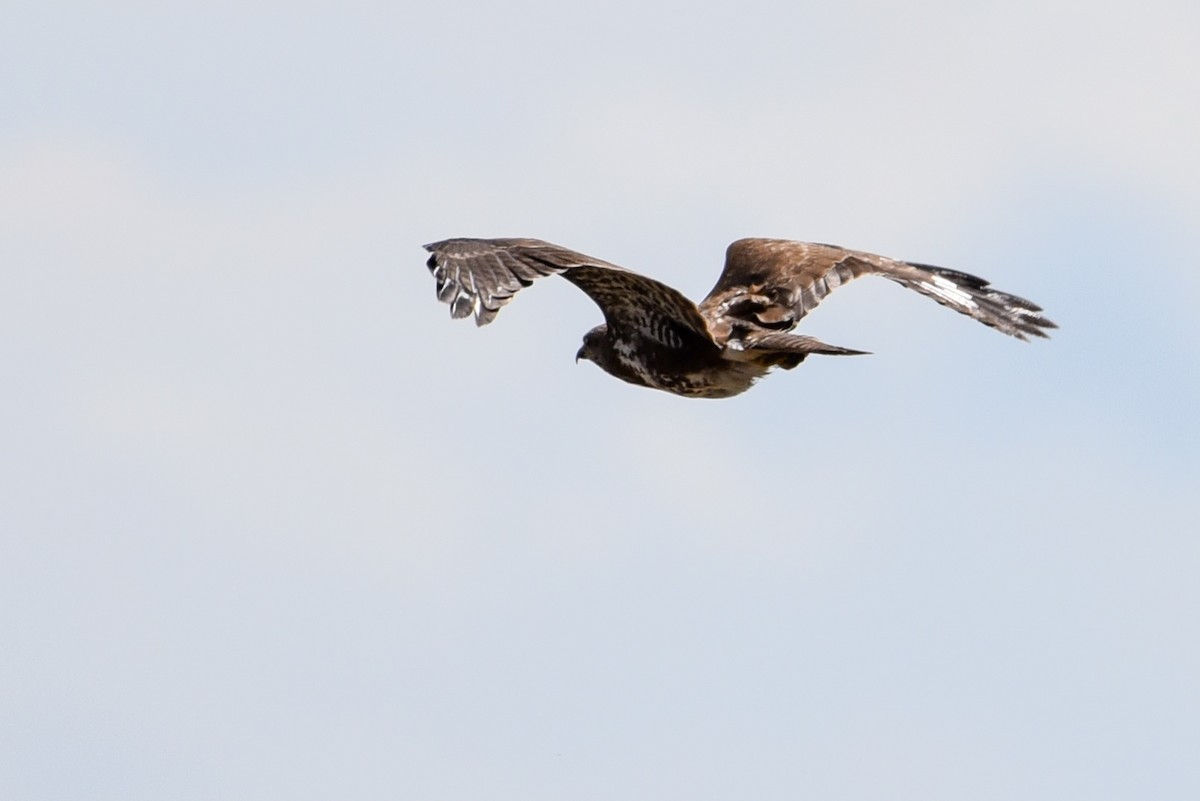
(947, 290)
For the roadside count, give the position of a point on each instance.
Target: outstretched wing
(773, 283)
(479, 276)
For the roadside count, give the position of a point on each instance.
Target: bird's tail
(777, 349)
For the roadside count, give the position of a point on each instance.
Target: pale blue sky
(274, 526)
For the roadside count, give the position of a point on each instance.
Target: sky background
(272, 525)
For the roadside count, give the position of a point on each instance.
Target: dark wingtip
(1038, 328)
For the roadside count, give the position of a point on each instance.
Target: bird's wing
(479, 276)
(773, 283)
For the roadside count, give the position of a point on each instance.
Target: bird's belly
(724, 381)
(683, 375)
(731, 378)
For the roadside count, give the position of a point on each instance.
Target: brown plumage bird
(655, 337)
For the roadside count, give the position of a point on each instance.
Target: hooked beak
(580, 355)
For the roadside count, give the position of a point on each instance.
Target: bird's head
(592, 343)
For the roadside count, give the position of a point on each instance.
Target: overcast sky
(273, 526)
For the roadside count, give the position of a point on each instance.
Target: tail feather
(777, 349)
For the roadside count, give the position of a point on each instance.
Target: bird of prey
(653, 336)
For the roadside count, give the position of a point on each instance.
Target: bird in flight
(653, 336)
